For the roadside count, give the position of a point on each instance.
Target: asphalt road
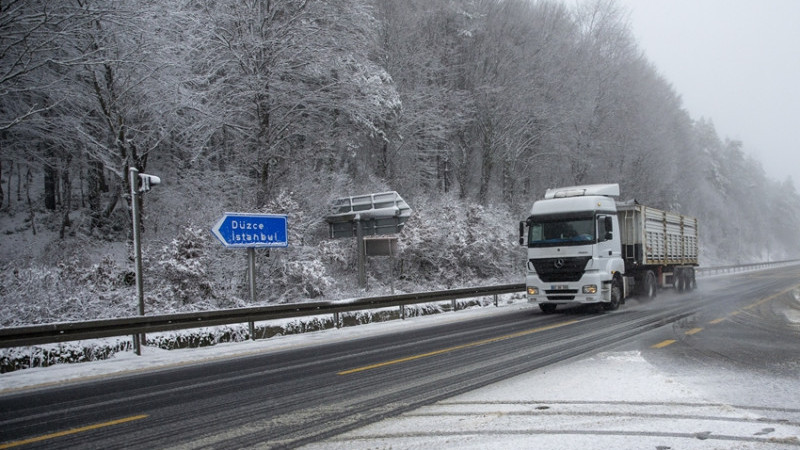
(306, 395)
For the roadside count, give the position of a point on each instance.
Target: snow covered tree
(293, 87)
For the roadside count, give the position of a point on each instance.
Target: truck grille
(560, 294)
(554, 270)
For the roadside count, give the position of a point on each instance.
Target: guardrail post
(336, 319)
(454, 304)
(252, 327)
(402, 312)
(495, 300)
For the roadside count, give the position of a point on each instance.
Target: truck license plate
(559, 287)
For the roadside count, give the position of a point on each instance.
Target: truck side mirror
(521, 232)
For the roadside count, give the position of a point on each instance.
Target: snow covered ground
(625, 399)
(615, 400)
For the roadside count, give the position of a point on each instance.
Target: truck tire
(650, 285)
(547, 308)
(616, 297)
(691, 281)
(680, 280)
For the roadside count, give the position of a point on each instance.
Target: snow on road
(155, 359)
(613, 400)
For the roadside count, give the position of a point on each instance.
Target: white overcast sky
(736, 62)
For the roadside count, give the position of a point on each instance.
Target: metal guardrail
(92, 329)
(742, 267)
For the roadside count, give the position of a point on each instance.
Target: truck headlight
(590, 289)
(533, 290)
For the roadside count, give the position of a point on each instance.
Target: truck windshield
(561, 231)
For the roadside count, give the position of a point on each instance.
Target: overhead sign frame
(383, 213)
(378, 215)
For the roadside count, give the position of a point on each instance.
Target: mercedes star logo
(559, 263)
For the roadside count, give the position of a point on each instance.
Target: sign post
(140, 183)
(251, 274)
(362, 254)
(252, 231)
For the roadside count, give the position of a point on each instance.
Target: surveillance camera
(147, 181)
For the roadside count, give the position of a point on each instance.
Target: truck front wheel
(616, 297)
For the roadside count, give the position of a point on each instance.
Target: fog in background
(735, 62)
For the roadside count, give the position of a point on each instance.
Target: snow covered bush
(198, 337)
(298, 272)
(18, 358)
(306, 279)
(67, 291)
(449, 243)
(183, 264)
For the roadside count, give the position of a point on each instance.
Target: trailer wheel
(547, 308)
(616, 297)
(650, 287)
(691, 281)
(680, 280)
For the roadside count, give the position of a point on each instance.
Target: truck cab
(573, 248)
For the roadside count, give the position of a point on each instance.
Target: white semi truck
(584, 247)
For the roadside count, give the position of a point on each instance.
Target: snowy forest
(469, 109)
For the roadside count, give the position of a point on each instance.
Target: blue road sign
(242, 230)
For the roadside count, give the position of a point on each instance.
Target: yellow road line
(72, 431)
(663, 344)
(753, 305)
(452, 349)
(722, 319)
(771, 297)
